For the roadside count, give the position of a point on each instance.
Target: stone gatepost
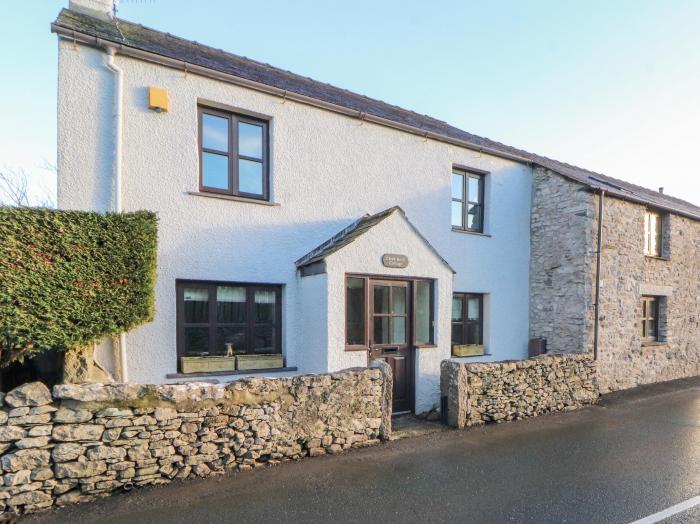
(453, 386)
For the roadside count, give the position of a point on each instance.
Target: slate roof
(355, 230)
(164, 44)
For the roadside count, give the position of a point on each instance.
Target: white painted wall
(326, 171)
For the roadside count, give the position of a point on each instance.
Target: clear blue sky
(611, 86)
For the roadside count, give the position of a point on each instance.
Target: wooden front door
(390, 304)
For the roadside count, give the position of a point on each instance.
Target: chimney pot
(661, 190)
(97, 8)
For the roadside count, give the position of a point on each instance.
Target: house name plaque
(394, 260)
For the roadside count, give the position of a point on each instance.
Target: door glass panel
(229, 338)
(381, 299)
(381, 330)
(196, 341)
(457, 186)
(250, 177)
(422, 308)
(398, 330)
(398, 300)
(250, 140)
(457, 214)
(355, 311)
(230, 304)
(196, 305)
(214, 171)
(215, 133)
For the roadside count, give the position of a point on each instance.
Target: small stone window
(653, 319)
(654, 234)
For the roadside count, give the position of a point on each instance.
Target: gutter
(596, 321)
(117, 171)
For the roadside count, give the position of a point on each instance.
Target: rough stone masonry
(563, 248)
(91, 440)
(511, 390)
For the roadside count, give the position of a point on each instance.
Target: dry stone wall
(92, 440)
(503, 391)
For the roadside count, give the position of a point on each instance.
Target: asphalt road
(635, 454)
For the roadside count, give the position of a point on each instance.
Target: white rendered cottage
(303, 228)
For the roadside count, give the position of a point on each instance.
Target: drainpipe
(117, 171)
(601, 200)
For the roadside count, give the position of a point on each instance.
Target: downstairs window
(222, 319)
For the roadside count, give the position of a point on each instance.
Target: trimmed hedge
(69, 278)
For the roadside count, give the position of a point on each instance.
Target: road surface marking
(668, 512)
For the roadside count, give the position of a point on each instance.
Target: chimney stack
(661, 190)
(103, 9)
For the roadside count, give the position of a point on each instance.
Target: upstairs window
(467, 201)
(233, 154)
(653, 234)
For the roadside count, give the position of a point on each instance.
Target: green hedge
(69, 278)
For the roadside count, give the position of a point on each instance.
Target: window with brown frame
(233, 154)
(356, 307)
(650, 319)
(224, 319)
(467, 319)
(467, 201)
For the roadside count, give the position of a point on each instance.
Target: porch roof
(355, 230)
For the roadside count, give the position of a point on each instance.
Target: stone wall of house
(562, 262)
(624, 360)
(92, 440)
(511, 390)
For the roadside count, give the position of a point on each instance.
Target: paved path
(634, 455)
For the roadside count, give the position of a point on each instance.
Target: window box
(259, 361)
(207, 364)
(468, 350)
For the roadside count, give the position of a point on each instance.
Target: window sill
(229, 373)
(233, 198)
(654, 344)
(654, 257)
(467, 232)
